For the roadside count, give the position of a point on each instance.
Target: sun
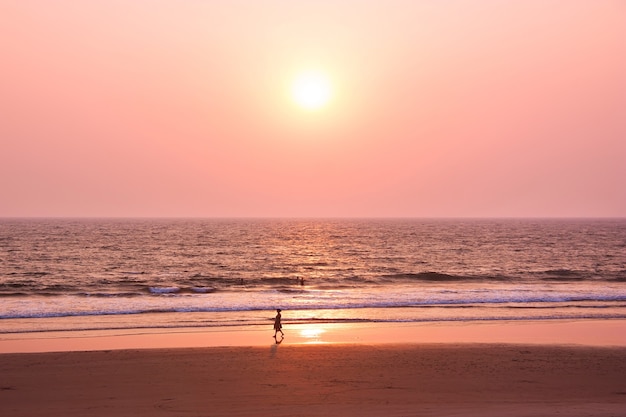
(311, 90)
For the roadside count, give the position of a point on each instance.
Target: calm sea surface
(116, 274)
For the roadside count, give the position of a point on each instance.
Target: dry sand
(319, 380)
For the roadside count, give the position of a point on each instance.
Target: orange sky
(439, 108)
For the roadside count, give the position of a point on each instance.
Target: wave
(201, 284)
(153, 291)
(108, 294)
(565, 275)
(290, 302)
(564, 279)
(181, 290)
(21, 284)
(573, 306)
(30, 273)
(35, 290)
(427, 276)
(279, 280)
(562, 272)
(164, 290)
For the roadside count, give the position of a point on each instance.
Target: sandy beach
(319, 379)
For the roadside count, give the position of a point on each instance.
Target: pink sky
(439, 109)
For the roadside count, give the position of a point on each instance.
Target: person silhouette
(278, 326)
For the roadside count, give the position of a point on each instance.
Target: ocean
(98, 274)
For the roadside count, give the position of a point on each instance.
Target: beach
(310, 376)
(381, 318)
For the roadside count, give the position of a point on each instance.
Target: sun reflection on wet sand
(311, 334)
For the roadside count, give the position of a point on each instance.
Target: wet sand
(319, 380)
(552, 332)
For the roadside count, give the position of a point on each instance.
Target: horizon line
(316, 217)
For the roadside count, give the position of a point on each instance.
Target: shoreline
(594, 332)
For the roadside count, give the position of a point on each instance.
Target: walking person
(278, 326)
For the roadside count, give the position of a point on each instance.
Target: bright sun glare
(311, 90)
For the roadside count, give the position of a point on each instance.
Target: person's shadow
(274, 347)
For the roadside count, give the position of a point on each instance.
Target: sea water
(79, 274)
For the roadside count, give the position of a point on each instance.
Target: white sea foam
(164, 290)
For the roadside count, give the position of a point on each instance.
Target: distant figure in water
(302, 281)
(278, 327)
